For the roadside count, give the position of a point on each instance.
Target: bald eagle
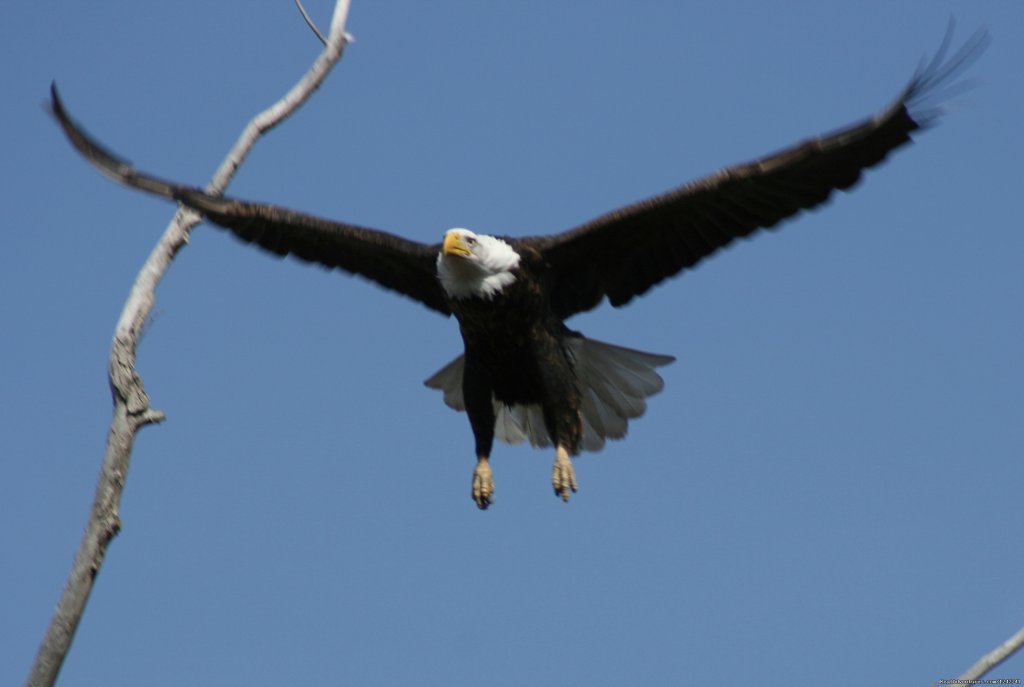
(523, 374)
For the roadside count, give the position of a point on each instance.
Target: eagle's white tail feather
(448, 380)
(518, 423)
(614, 383)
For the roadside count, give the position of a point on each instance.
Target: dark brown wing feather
(624, 253)
(395, 263)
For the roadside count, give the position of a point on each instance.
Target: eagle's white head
(475, 265)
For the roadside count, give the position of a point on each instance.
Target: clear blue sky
(827, 492)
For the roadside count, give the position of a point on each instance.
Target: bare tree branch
(993, 658)
(349, 38)
(309, 22)
(132, 410)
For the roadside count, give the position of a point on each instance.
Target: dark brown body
(515, 354)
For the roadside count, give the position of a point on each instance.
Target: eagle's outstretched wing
(401, 265)
(624, 253)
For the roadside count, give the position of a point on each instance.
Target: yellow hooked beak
(456, 244)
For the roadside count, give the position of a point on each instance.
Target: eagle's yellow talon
(483, 484)
(563, 477)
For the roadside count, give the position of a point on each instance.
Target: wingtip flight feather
(104, 160)
(121, 170)
(936, 79)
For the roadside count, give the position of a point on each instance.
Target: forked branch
(132, 410)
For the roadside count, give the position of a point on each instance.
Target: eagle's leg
(564, 422)
(483, 483)
(476, 390)
(563, 477)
